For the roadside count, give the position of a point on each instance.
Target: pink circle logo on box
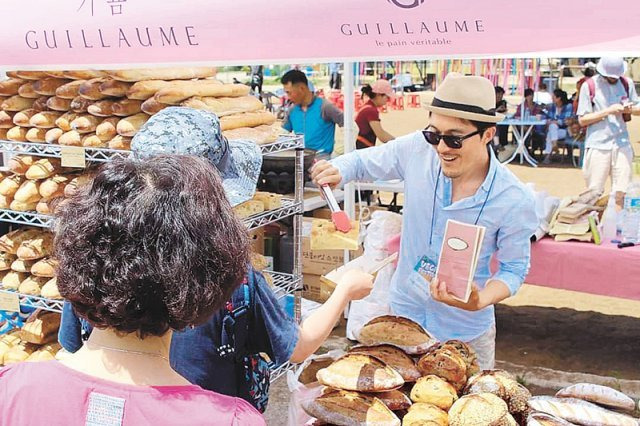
(406, 4)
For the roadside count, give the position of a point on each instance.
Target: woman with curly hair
(146, 248)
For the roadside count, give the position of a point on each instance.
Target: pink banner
(111, 33)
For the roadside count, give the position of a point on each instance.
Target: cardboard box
(320, 262)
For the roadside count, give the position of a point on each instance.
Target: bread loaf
(182, 90)
(186, 73)
(360, 372)
(114, 88)
(17, 134)
(91, 140)
(37, 247)
(22, 118)
(20, 206)
(44, 268)
(434, 390)
(31, 75)
(28, 191)
(120, 142)
(127, 107)
(598, 394)
(45, 207)
(64, 122)
(225, 106)
(10, 184)
(72, 188)
(19, 353)
(32, 285)
(41, 328)
(41, 104)
(90, 89)
(45, 353)
(151, 106)
(349, 408)
(248, 119)
(6, 119)
(107, 129)
(59, 104)
(53, 135)
(70, 90)
(144, 90)
(45, 119)
(21, 163)
(131, 125)
(44, 168)
(446, 364)
(11, 86)
(12, 280)
(50, 290)
(48, 86)
(6, 260)
(422, 414)
(80, 104)
(394, 358)
(84, 74)
(102, 108)
(36, 135)
(580, 412)
(27, 91)
(397, 331)
(85, 123)
(16, 103)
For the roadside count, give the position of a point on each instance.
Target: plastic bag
(301, 392)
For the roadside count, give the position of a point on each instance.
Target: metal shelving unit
(284, 284)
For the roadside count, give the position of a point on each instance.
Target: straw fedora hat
(467, 97)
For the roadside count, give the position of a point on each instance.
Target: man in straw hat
(450, 172)
(605, 103)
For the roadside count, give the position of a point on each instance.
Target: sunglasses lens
(452, 141)
(431, 137)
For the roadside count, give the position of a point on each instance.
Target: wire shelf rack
(53, 305)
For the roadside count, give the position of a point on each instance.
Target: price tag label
(9, 302)
(73, 156)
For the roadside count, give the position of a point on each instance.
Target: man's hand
(615, 109)
(356, 284)
(323, 173)
(440, 293)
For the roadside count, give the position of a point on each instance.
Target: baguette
(80, 104)
(91, 140)
(43, 168)
(59, 104)
(53, 135)
(225, 106)
(131, 125)
(36, 135)
(85, 123)
(17, 103)
(11, 86)
(6, 260)
(127, 107)
(12, 74)
(70, 90)
(41, 327)
(36, 248)
(10, 184)
(27, 91)
(70, 138)
(41, 104)
(32, 285)
(102, 108)
(48, 86)
(31, 75)
(64, 122)
(44, 268)
(21, 163)
(91, 89)
(114, 88)
(580, 412)
(5, 201)
(45, 119)
(55, 74)
(22, 118)
(151, 106)
(107, 130)
(6, 119)
(84, 74)
(248, 119)
(10, 242)
(72, 188)
(23, 266)
(260, 135)
(17, 134)
(144, 90)
(12, 280)
(178, 92)
(120, 142)
(20, 206)
(162, 73)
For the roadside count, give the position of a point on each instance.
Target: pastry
(48, 86)
(12, 280)
(127, 107)
(247, 119)
(480, 409)
(120, 142)
(45, 119)
(11, 87)
(394, 358)
(32, 285)
(398, 331)
(64, 122)
(36, 135)
(21, 163)
(80, 104)
(175, 73)
(72, 188)
(54, 185)
(421, 414)
(50, 290)
(37, 247)
(434, 390)
(114, 88)
(69, 90)
(59, 104)
(21, 206)
(131, 125)
(53, 135)
(6, 119)
(43, 168)
(179, 91)
(10, 184)
(71, 138)
(360, 372)
(143, 90)
(90, 89)
(17, 134)
(28, 191)
(27, 91)
(41, 327)
(22, 118)
(103, 108)
(350, 408)
(6, 260)
(85, 123)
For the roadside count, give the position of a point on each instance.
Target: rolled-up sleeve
(385, 162)
(514, 244)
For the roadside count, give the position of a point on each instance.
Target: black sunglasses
(451, 141)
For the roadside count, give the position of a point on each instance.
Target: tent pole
(349, 137)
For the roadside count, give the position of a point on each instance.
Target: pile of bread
(105, 109)
(570, 221)
(26, 265)
(35, 341)
(35, 183)
(403, 376)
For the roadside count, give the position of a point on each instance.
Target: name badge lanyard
(433, 206)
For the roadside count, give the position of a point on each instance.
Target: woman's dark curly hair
(149, 246)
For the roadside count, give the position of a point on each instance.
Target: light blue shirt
(612, 130)
(509, 217)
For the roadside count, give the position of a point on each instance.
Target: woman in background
(368, 118)
(558, 115)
